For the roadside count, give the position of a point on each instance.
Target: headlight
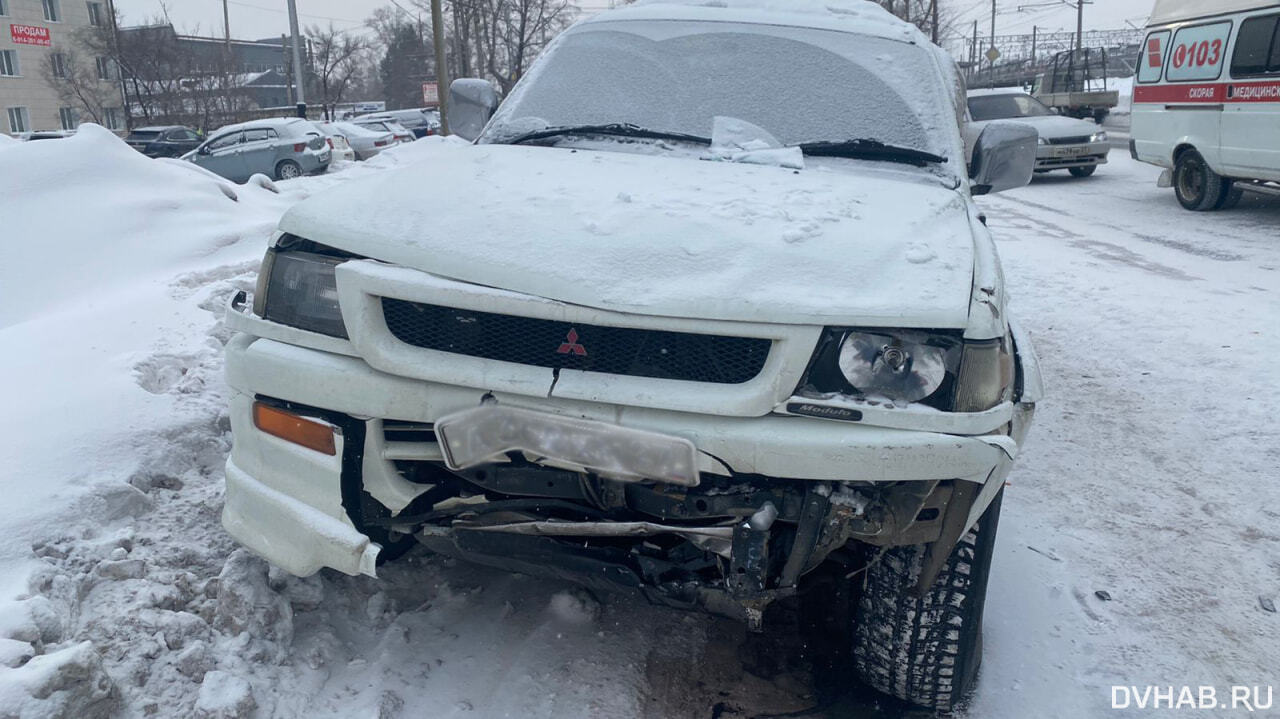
(935, 368)
(896, 368)
(1043, 141)
(298, 289)
(1099, 136)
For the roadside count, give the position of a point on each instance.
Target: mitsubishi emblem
(571, 345)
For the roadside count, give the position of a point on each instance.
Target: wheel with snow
(1197, 186)
(287, 170)
(1084, 171)
(925, 649)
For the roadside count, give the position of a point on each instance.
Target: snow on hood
(1055, 126)
(665, 236)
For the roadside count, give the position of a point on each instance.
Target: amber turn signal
(293, 428)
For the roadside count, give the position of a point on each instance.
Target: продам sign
(30, 35)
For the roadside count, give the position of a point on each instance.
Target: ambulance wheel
(1198, 187)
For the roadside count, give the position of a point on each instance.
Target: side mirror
(1003, 157)
(202, 150)
(472, 102)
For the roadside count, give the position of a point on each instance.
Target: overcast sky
(254, 19)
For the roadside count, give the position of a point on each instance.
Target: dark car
(165, 141)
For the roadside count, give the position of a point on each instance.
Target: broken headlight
(297, 287)
(901, 366)
(936, 368)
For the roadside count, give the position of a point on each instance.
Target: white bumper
(284, 502)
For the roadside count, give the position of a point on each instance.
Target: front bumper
(1061, 157)
(287, 503)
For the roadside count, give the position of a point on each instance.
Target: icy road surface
(1150, 475)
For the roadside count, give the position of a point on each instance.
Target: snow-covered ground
(1150, 476)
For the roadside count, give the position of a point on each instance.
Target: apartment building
(40, 34)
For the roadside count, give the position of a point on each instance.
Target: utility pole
(299, 74)
(1079, 25)
(442, 72)
(226, 26)
(975, 56)
(933, 10)
(992, 68)
(1035, 30)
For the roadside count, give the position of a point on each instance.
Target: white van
(1206, 101)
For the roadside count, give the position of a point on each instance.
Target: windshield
(142, 135)
(801, 85)
(1001, 107)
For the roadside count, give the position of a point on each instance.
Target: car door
(1251, 113)
(259, 151)
(181, 141)
(222, 155)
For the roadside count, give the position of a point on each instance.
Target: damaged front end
(512, 489)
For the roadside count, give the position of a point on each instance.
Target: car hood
(1052, 127)
(663, 235)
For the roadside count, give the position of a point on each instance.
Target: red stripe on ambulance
(1212, 93)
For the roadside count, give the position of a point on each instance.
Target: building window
(4, 7)
(95, 14)
(104, 68)
(111, 118)
(18, 120)
(52, 12)
(58, 63)
(69, 117)
(9, 62)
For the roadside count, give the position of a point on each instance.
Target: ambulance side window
(1151, 64)
(1257, 51)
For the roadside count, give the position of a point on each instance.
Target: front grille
(550, 343)
(1082, 140)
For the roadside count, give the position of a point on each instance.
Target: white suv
(706, 311)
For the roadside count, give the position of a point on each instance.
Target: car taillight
(299, 146)
(379, 143)
(330, 141)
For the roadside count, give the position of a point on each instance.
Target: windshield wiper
(613, 129)
(868, 149)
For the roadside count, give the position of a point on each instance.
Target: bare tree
(336, 58)
(79, 85)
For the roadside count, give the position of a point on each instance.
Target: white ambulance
(1206, 99)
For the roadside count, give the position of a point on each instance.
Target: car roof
(986, 92)
(860, 17)
(1169, 11)
(159, 128)
(270, 122)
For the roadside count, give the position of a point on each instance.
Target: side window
(186, 135)
(271, 134)
(1151, 63)
(255, 135)
(225, 141)
(1198, 52)
(1255, 47)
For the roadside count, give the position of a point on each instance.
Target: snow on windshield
(799, 84)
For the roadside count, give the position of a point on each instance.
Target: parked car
(398, 131)
(338, 143)
(44, 135)
(791, 369)
(282, 148)
(164, 141)
(418, 121)
(1065, 143)
(366, 141)
(1206, 100)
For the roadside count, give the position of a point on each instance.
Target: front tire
(926, 649)
(1085, 171)
(1198, 187)
(288, 170)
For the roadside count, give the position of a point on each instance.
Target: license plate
(484, 434)
(1070, 151)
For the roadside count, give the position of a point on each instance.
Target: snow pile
(7, 141)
